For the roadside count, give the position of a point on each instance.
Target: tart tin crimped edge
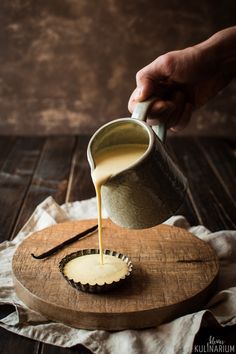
(96, 288)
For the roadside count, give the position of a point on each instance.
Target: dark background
(68, 66)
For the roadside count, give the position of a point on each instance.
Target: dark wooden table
(31, 169)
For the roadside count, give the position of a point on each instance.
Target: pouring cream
(109, 162)
(94, 268)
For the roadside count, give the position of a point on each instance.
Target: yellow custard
(102, 268)
(87, 269)
(109, 162)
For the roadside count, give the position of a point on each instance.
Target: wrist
(220, 51)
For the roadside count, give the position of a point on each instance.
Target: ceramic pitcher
(149, 191)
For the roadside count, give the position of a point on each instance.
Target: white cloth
(174, 337)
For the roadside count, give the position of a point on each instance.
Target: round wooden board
(174, 274)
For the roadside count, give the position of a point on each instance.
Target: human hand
(183, 81)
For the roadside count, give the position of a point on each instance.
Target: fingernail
(138, 93)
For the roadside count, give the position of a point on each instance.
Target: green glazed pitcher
(150, 190)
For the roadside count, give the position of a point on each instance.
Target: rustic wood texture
(205, 182)
(6, 143)
(15, 178)
(221, 160)
(13, 186)
(68, 66)
(174, 273)
(81, 185)
(50, 177)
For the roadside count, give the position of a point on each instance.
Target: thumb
(145, 86)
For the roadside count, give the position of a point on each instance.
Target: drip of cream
(101, 268)
(109, 162)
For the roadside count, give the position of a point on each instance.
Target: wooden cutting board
(174, 274)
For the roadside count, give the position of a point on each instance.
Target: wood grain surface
(206, 184)
(174, 273)
(218, 155)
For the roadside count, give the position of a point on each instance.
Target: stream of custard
(103, 268)
(109, 162)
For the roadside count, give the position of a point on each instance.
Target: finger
(161, 111)
(145, 85)
(168, 112)
(184, 119)
(165, 94)
(179, 104)
(132, 101)
(174, 113)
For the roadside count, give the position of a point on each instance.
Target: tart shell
(96, 288)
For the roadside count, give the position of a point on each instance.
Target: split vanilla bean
(65, 243)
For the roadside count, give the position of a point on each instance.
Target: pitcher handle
(140, 112)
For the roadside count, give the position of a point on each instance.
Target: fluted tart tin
(95, 288)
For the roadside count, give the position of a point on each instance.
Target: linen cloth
(174, 337)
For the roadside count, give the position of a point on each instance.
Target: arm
(186, 79)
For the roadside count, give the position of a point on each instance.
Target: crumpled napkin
(174, 337)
